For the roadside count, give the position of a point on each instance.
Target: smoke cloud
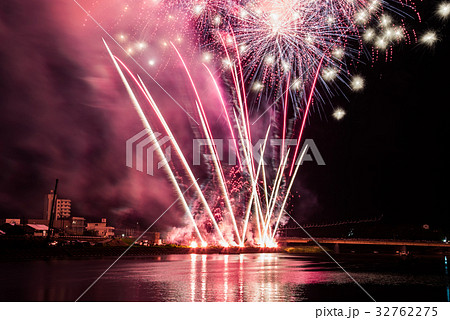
(66, 115)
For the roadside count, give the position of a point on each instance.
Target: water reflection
(204, 257)
(235, 277)
(446, 275)
(193, 276)
(225, 278)
(217, 277)
(241, 278)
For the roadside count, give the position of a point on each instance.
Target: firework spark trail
(255, 199)
(278, 178)
(254, 182)
(305, 115)
(211, 145)
(283, 138)
(219, 171)
(266, 198)
(288, 190)
(159, 151)
(275, 196)
(244, 94)
(257, 216)
(263, 225)
(242, 105)
(258, 205)
(226, 115)
(186, 166)
(247, 216)
(274, 37)
(244, 146)
(274, 46)
(248, 151)
(244, 115)
(278, 36)
(242, 139)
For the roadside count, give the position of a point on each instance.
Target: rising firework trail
(256, 201)
(212, 146)
(289, 55)
(305, 115)
(155, 141)
(175, 144)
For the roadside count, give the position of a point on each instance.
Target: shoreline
(19, 248)
(73, 252)
(69, 252)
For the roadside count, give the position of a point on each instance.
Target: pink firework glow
(282, 55)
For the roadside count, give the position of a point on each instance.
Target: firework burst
(282, 41)
(289, 52)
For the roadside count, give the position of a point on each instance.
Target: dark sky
(389, 154)
(64, 114)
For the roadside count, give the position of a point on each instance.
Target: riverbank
(40, 249)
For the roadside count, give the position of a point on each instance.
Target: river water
(219, 277)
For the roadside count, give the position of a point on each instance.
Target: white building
(39, 230)
(13, 221)
(78, 226)
(63, 207)
(101, 228)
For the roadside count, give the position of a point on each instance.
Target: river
(220, 277)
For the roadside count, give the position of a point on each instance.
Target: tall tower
(48, 205)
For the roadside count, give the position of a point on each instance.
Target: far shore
(39, 249)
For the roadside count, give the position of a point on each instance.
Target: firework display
(278, 55)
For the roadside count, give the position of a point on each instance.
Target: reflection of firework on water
(280, 52)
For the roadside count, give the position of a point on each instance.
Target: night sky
(388, 155)
(65, 114)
